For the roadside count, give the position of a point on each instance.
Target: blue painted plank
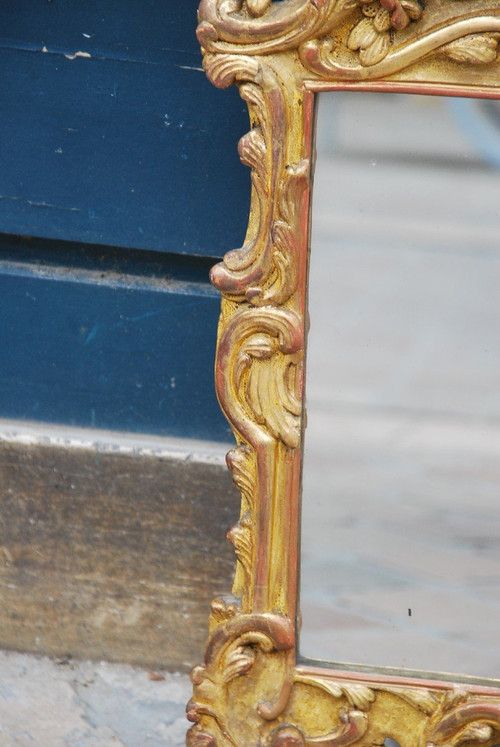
(110, 350)
(131, 146)
(125, 161)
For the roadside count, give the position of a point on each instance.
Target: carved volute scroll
(249, 691)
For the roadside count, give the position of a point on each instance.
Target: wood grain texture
(111, 556)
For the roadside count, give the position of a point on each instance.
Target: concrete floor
(84, 704)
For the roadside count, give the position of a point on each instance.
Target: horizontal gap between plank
(113, 442)
(106, 265)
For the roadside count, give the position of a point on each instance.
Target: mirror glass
(401, 490)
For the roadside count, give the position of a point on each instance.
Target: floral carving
(465, 40)
(372, 35)
(402, 12)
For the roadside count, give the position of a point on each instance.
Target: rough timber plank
(111, 556)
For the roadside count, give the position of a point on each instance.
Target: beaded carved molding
(250, 691)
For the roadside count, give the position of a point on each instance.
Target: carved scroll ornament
(250, 691)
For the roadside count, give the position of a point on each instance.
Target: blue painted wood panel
(121, 165)
(130, 146)
(121, 343)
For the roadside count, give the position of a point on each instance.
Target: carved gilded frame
(251, 689)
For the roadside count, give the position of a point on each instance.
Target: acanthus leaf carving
(259, 379)
(259, 385)
(474, 721)
(241, 536)
(271, 388)
(224, 70)
(233, 650)
(420, 698)
(242, 463)
(359, 696)
(428, 716)
(293, 195)
(221, 612)
(264, 270)
(479, 49)
(244, 272)
(261, 27)
(240, 659)
(352, 727)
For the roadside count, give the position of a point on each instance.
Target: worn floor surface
(84, 704)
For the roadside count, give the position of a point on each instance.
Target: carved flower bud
(199, 738)
(370, 10)
(413, 8)
(287, 736)
(400, 19)
(192, 711)
(382, 20)
(197, 675)
(389, 4)
(258, 7)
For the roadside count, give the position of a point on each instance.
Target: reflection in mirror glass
(401, 490)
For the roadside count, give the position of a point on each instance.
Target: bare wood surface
(111, 556)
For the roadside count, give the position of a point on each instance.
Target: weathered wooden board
(111, 556)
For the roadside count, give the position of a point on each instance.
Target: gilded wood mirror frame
(252, 688)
